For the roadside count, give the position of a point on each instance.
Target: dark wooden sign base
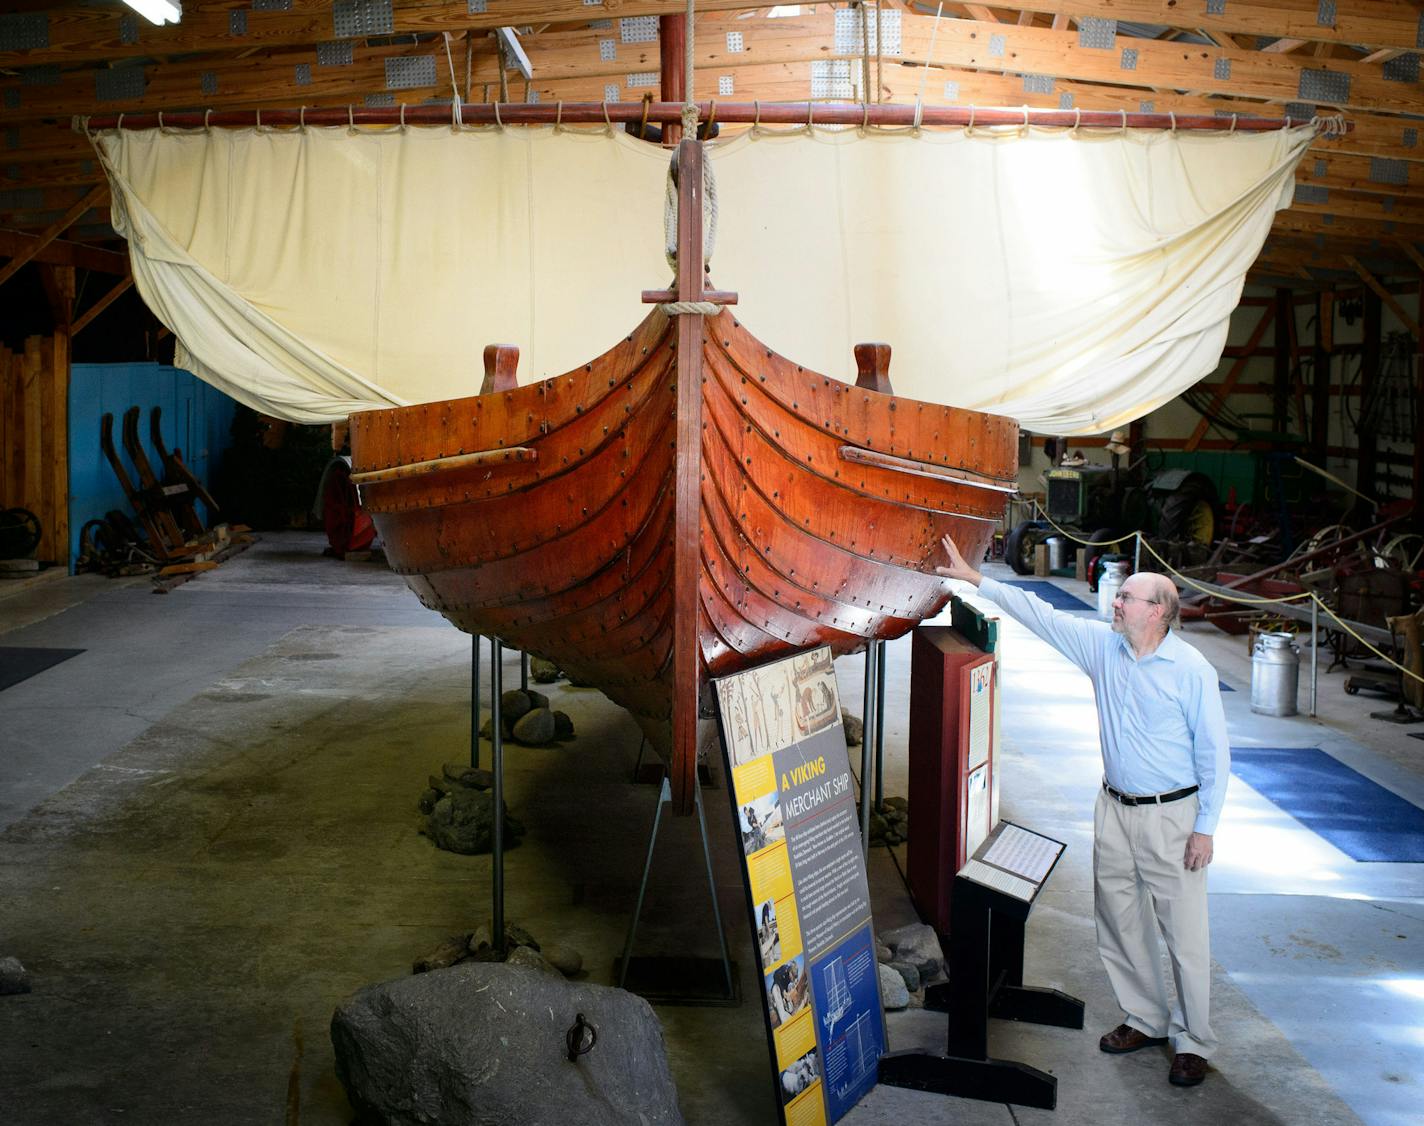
(986, 949)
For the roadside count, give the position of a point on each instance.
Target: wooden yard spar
(684, 506)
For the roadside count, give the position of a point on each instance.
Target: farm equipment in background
(1101, 504)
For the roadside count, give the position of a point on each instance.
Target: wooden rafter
(86, 318)
(62, 224)
(1384, 295)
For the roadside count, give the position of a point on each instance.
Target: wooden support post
(1281, 361)
(1419, 408)
(687, 559)
(672, 42)
(1369, 373)
(1320, 382)
(1268, 314)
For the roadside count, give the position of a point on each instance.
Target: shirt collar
(1168, 649)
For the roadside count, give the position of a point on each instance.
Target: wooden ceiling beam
(1352, 205)
(1299, 221)
(1004, 48)
(1369, 175)
(1365, 22)
(1384, 294)
(115, 292)
(62, 253)
(60, 225)
(88, 35)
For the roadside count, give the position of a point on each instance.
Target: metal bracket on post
(524, 672)
(497, 742)
(867, 742)
(475, 700)
(674, 980)
(1314, 650)
(879, 726)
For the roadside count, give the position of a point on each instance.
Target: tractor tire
(1018, 547)
(1189, 513)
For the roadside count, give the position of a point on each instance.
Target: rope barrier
(1243, 600)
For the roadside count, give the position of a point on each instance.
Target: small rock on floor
(565, 959)
(14, 978)
(893, 993)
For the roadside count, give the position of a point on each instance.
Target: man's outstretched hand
(958, 568)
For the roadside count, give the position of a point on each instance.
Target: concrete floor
(207, 839)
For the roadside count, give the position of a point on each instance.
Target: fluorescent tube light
(157, 11)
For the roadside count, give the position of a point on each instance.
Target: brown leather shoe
(1125, 1038)
(1187, 1070)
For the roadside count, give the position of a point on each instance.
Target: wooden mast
(687, 564)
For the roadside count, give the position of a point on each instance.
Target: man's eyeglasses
(1126, 598)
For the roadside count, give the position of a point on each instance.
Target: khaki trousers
(1140, 885)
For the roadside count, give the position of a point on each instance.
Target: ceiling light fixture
(157, 11)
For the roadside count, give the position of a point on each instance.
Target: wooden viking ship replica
(686, 505)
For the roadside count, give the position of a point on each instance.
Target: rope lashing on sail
(709, 181)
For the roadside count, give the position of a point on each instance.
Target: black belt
(1149, 799)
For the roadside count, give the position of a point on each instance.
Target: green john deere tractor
(1100, 504)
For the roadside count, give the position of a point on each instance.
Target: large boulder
(484, 1044)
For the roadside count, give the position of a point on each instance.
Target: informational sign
(1013, 860)
(794, 804)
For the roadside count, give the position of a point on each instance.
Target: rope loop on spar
(698, 308)
(709, 212)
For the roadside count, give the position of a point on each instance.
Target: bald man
(1162, 731)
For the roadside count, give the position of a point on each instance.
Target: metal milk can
(1113, 576)
(1057, 552)
(1275, 674)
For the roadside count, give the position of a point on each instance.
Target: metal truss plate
(237, 22)
(1146, 107)
(725, 86)
(411, 72)
(735, 44)
(22, 199)
(832, 78)
(1038, 83)
(638, 29)
(208, 82)
(610, 92)
(302, 74)
(1325, 13)
(1300, 111)
(1221, 70)
(1386, 171)
(641, 79)
(271, 5)
(379, 101)
(116, 84)
(47, 75)
(996, 46)
(1065, 101)
(1311, 193)
(476, 7)
(1402, 68)
(23, 31)
(1129, 58)
(356, 19)
(338, 52)
(1098, 33)
(607, 50)
(951, 91)
(1328, 86)
(849, 40)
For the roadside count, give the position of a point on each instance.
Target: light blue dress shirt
(1160, 720)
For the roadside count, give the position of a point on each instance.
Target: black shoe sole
(1172, 1079)
(1150, 1042)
